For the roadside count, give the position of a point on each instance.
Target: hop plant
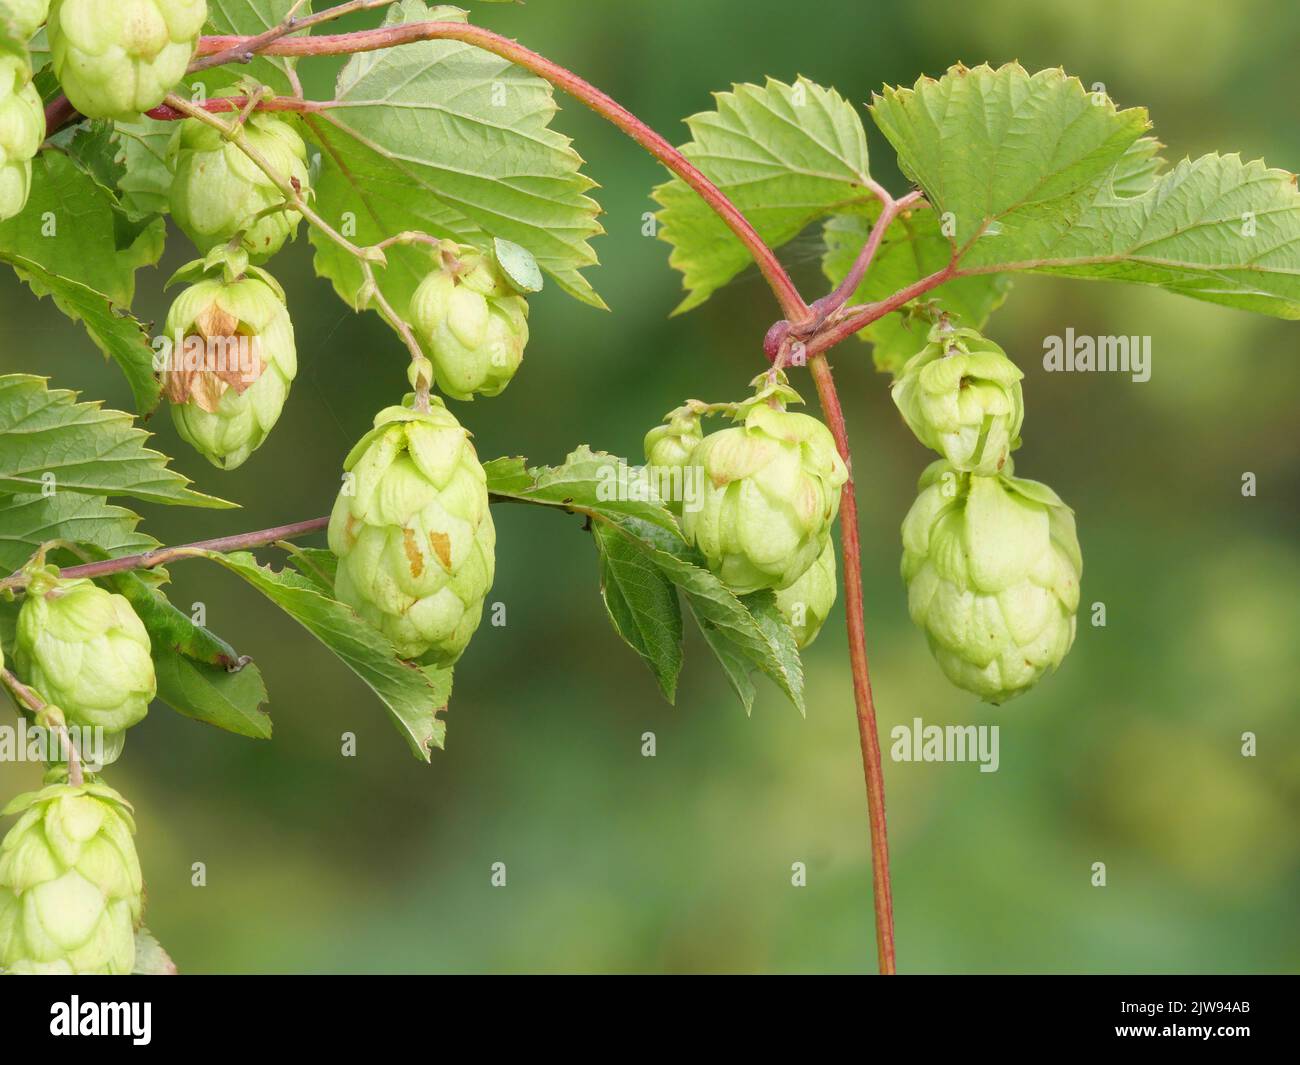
(960, 395)
(807, 603)
(472, 322)
(217, 189)
(413, 533)
(22, 128)
(118, 58)
(23, 17)
(84, 649)
(233, 359)
(668, 449)
(771, 490)
(70, 888)
(992, 567)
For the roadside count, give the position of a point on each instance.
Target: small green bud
(668, 450)
(472, 323)
(960, 395)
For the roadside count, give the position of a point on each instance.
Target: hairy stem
(28, 697)
(220, 104)
(792, 304)
(247, 47)
(868, 736)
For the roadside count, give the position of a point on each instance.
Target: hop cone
(84, 649)
(413, 535)
(23, 17)
(992, 566)
(22, 128)
(70, 888)
(668, 450)
(472, 323)
(771, 490)
(118, 58)
(960, 395)
(807, 603)
(229, 378)
(217, 189)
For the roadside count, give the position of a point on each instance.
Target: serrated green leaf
(70, 226)
(1033, 173)
(116, 333)
(913, 247)
(642, 605)
(736, 667)
(786, 155)
(413, 696)
(84, 447)
(27, 521)
(448, 139)
(318, 564)
(146, 178)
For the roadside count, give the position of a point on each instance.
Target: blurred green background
(682, 862)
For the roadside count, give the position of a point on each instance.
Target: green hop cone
(118, 58)
(70, 888)
(217, 189)
(960, 395)
(413, 534)
(229, 375)
(992, 567)
(668, 450)
(84, 649)
(771, 488)
(807, 603)
(22, 128)
(473, 324)
(23, 17)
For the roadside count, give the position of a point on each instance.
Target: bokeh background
(1130, 756)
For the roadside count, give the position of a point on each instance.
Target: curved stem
(792, 304)
(868, 736)
(219, 104)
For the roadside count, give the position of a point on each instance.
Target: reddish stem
(868, 737)
(221, 104)
(854, 318)
(792, 304)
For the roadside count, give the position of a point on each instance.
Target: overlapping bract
(22, 128)
(71, 893)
